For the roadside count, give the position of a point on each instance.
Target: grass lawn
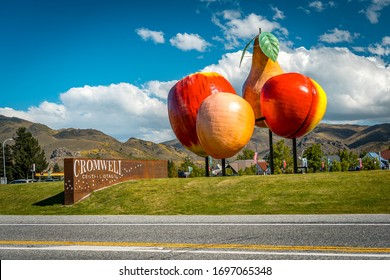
(321, 193)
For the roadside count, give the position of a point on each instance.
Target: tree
(282, 153)
(246, 154)
(370, 163)
(348, 159)
(56, 168)
(187, 165)
(314, 157)
(336, 166)
(251, 170)
(172, 169)
(26, 152)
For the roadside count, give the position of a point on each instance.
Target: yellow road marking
(252, 247)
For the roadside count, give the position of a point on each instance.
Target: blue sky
(109, 65)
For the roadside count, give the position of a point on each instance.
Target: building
(262, 166)
(386, 154)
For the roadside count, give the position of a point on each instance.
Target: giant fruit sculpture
(224, 124)
(293, 104)
(264, 66)
(184, 100)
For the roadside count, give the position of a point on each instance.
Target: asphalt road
(195, 237)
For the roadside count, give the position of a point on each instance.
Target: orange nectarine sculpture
(224, 124)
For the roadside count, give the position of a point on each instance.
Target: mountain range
(71, 142)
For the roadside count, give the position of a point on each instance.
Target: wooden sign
(85, 175)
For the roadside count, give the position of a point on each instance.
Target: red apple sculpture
(292, 104)
(184, 100)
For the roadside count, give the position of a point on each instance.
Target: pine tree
(56, 168)
(26, 152)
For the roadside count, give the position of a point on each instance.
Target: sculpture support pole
(271, 152)
(207, 166)
(294, 141)
(223, 167)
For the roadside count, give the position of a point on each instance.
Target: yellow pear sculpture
(262, 69)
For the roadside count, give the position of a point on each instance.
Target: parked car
(22, 181)
(50, 180)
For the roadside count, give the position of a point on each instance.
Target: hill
(71, 142)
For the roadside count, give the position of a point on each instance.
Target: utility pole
(294, 143)
(271, 152)
(223, 162)
(207, 166)
(4, 179)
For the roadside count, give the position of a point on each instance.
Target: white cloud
(158, 89)
(381, 49)
(304, 9)
(386, 41)
(188, 42)
(228, 66)
(156, 36)
(317, 5)
(336, 36)
(208, 1)
(373, 11)
(10, 112)
(278, 13)
(236, 28)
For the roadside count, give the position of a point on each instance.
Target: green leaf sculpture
(269, 44)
